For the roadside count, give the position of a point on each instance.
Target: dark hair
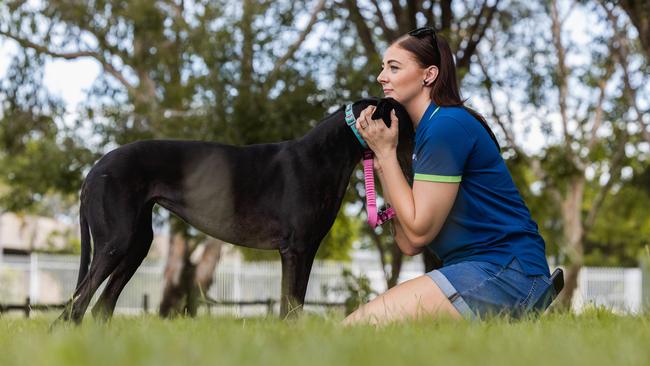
(444, 91)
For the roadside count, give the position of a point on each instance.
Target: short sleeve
(442, 151)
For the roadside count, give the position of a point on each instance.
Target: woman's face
(401, 76)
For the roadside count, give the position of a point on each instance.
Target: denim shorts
(479, 290)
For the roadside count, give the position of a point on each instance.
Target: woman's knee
(416, 298)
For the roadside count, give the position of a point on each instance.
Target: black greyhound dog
(282, 196)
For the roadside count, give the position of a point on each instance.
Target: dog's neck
(333, 139)
(332, 143)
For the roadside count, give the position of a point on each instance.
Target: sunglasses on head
(423, 32)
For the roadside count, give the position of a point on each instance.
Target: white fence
(50, 279)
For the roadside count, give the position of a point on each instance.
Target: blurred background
(563, 84)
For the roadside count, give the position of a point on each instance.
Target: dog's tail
(85, 243)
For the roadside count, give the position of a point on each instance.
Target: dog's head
(406, 139)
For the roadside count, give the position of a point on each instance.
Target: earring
(424, 82)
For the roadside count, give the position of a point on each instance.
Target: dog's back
(219, 189)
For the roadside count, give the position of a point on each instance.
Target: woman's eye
(394, 68)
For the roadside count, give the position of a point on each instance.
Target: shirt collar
(428, 113)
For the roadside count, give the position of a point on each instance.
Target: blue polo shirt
(489, 220)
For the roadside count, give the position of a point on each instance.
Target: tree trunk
(207, 264)
(202, 275)
(573, 238)
(187, 282)
(177, 272)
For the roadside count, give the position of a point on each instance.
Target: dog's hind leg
(136, 253)
(296, 267)
(110, 249)
(102, 265)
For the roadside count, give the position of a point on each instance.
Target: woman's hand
(381, 139)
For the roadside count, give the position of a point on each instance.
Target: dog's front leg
(296, 267)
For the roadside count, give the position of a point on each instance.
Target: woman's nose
(380, 78)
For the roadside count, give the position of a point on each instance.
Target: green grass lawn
(595, 338)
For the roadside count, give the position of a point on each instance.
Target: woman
(463, 204)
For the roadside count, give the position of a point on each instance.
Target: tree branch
(614, 174)
(362, 28)
(481, 23)
(428, 14)
(555, 193)
(411, 13)
(621, 53)
(510, 137)
(301, 38)
(446, 15)
(562, 78)
(566, 16)
(639, 14)
(388, 33)
(397, 12)
(108, 67)
(598, 119)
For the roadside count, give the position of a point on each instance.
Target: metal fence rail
(247, 288)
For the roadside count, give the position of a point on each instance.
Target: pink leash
(374, 218)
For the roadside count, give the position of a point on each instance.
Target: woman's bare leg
(419, 297)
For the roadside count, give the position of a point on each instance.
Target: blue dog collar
(351, 122)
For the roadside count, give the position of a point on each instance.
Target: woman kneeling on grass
(463, 205)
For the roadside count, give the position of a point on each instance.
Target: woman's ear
(430, 75)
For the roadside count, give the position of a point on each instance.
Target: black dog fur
(282, 196)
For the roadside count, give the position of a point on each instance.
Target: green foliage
(251, 254)
(622, 230)
(37, 156)
(542, 207)
(357, 289)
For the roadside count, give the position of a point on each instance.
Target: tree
(39, 154)
(623, 51)
(639, 14)
(576, 175)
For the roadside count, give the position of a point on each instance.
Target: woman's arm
(420, 211)
(400, 238)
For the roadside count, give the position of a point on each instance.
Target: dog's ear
(385, 106)
(362, 104)
(370, 100)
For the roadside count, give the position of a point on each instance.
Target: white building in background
(24, 234)
(28, 233)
